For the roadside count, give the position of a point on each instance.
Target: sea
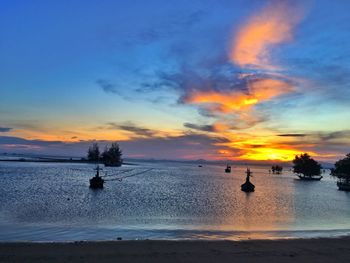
(48, 202)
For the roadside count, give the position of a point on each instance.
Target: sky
(218, 80)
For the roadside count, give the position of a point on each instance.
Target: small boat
(248, 186)
(200, 165)
(310, 178)
(96, 181)
(343, 184)
(228, 169)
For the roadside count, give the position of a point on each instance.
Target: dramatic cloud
(5, 129)
(230, 95)
(272, 25)
(259, 90)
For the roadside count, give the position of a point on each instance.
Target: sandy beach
(301, 250)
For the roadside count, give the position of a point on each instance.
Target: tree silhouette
(112, 156)
(93, 153)
(276, 169)
(304, 164)
(342, 168)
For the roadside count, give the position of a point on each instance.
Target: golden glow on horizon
(266, 153)
(76, 136)
(266, 146)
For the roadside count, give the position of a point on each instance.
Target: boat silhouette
(248, 186)
(96, 181)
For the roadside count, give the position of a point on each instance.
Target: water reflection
(269, 208)
(173, 200)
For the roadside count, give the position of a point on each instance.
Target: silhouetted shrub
(93, 153)
(342, 168)
(304, 164)
(112, 156)
(276, 169)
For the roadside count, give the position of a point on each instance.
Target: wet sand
(296, 250)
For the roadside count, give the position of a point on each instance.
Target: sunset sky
(240, 80)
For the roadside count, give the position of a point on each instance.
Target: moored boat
(248, 186)
(96, 181)
(228, 169)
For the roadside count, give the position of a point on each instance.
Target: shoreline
(285, 250)
(46, 160)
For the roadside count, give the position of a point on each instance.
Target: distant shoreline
(133, 161)
(302, 250)
(53, 161)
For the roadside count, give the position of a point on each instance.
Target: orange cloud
(273, 25)
(259, 90)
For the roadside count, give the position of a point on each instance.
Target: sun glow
(267, 153)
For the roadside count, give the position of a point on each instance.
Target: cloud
(18, 140)
(292, 135)
(107, 86)
(220, 91)
(187, 79)
(133, 128)
(318, 136)
(206, 128)
(5, 129)
(270, 26)
(344, 134)
(15, 143)
(258, 91)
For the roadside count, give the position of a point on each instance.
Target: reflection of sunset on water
(267, 209)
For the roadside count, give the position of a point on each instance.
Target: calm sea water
(53, 202)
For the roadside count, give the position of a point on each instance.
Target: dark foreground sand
(301, 250)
